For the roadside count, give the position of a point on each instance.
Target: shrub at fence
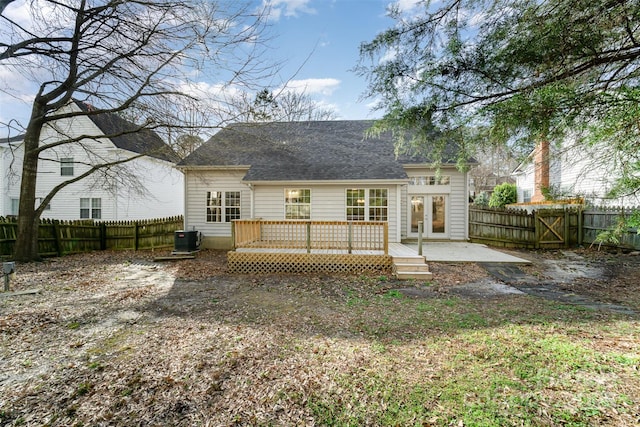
(606, 226)
(66, 237)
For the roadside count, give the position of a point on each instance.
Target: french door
(432, 210)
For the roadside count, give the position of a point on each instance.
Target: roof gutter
(350, 182)
(212, 168)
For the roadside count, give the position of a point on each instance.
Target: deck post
(233, 235)
(308, 237)
(420, 228)
(350, 237)
(386, 238)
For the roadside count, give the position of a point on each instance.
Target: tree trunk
(26, 247)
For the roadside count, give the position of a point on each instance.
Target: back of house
(321, 170)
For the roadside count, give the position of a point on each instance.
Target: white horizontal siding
(456, 192)
(9, 176)
(269, 202)
(162, 195)
(197, 184)
(404, 212)
(578, 170)
(525, 181)
(458, 206)
(144, 188)
(328, 202)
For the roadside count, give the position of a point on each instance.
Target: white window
(430, 180)
(297, 203)
(66, 166)
(39, 202)
(90, 208)
(223, 206)
(526, 196)
(15, 206)
(378, 203)
(356, 204)
(367, 204)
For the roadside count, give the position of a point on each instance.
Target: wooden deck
(292, 260)
(395, 250)
(305, 246)
(311, 236)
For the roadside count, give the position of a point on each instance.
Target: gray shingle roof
(288, 151)
(127, 136)
(17, 138)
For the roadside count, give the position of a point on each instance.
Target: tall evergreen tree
(513, 72)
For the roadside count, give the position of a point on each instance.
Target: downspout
(252, 213)
(184, 199)
(398, 213)
(466, 211)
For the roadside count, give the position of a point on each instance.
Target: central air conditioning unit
(187, 241)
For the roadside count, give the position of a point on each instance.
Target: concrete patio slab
(463, 252)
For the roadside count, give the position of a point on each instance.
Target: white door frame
(432, 229)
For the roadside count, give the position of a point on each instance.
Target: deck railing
(309, 235)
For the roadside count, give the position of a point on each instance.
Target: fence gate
(552, 228)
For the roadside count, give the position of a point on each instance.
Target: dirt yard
(114, 338)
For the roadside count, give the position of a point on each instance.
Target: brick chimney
(541, 171)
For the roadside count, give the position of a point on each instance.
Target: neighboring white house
(321, 170)
(146, 187)
(572, 170)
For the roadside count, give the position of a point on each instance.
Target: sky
(324, 36)
(318, 40)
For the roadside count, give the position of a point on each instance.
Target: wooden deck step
(411, 267)
(408, 259)
(414, 275)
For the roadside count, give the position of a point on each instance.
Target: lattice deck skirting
(277, 262)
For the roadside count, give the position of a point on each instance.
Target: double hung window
(66, 166)
(223, 206)
(297, 203)
(90, 208)
(367, 204)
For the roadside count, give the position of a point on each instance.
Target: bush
(503, 194)
(481, 199)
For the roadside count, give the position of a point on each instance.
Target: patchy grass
(157, 347)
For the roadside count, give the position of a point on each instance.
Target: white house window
(223, 206)
(90, 208)
(39, 201)
(526, 196)
(297, 203)
(430, 180)
(378, 203)
(15, 206)
(66, 166)
(367, 205)
(356, 206)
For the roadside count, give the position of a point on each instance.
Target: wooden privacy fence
(306, 235)
(56, 238)
(546, 228)
(596, 220)
(540, 229)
